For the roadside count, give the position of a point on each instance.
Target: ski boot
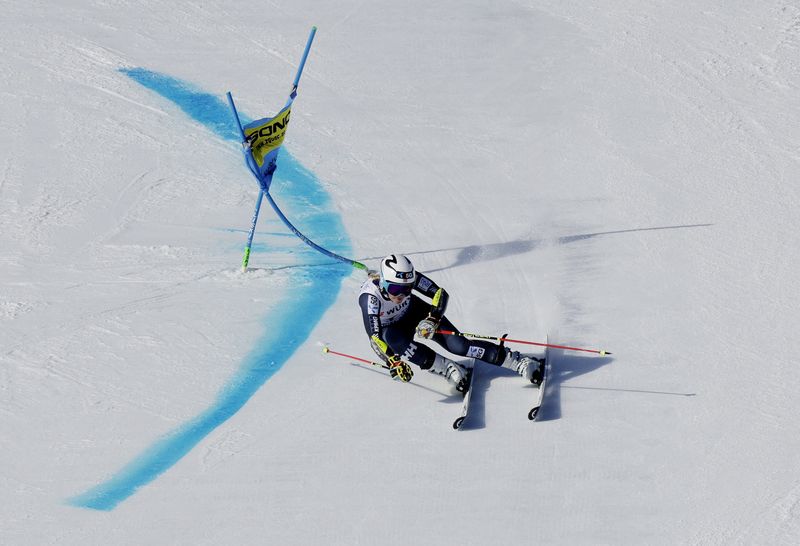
(538, 372)
(456, 374)
(529, 367)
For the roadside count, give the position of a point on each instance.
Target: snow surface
(619, 175)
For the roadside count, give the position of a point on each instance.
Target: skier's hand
(399, 370)
(427, 327)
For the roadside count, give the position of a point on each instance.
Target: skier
(392, 315)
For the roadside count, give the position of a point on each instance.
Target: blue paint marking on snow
(313, 291)
(202, 107)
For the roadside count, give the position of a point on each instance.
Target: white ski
(467, 397)
(540, 391)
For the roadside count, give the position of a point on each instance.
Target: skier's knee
(427, 363)
(420, 355)
(497, 356)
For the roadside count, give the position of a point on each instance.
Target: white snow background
(619, 175)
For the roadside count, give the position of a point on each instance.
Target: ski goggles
(397, 289)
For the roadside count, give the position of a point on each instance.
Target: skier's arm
(370, 312)
(438, 296)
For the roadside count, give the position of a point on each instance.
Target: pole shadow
(447, 397)
(495, 251)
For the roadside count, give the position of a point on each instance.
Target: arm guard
(381, 348)
(438, 296)
(439, 304)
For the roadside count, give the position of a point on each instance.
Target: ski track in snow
(289, 327)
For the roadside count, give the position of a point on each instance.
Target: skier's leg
(400, 337)
(529, 367)
(455, 373)
(472, 348)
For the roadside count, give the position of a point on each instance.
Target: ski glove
(427, 327)
(399, 370)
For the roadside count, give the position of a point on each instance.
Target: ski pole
(494, 338)
(327, 350)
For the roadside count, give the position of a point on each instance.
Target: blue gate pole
(302, 63)
(265, 184)
(246, 258)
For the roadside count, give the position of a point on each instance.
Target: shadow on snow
(495, 251)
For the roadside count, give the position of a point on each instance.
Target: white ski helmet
(397, 269)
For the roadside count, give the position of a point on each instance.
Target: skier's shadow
(480, 386)
(563, 367)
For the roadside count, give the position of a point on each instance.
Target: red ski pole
(327, 350)
(494, 338)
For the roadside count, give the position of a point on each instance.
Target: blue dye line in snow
(288, 326)
(198, 105)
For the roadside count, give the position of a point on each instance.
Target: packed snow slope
(620, 177)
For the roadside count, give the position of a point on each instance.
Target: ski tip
(458, 422)
(533, 413)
